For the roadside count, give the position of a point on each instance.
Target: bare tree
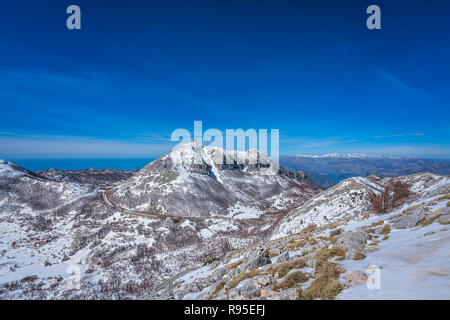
(392, 195)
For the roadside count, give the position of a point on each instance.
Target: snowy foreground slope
(405, 254)
(351, 197)
(61, 239)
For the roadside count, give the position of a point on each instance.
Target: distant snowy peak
(348, 155)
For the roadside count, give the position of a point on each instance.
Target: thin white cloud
(417, 134)
(396, 82)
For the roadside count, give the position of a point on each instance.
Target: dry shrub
(359, 256)
(272, 254)
(292, 280)
(243, 276)
(332, 239)
(386, 230)
(219, 287)
(390, 197)
(235, 265)
(400, 191)
(427, 221)
(309, 228)
(336, 232)
(378, 223)
(283, 268)
(444, 197)
(325, 253)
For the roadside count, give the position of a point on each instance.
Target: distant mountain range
(327, 170)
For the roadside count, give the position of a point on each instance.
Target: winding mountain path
(158, 215)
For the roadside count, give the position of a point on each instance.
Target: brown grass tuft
(309, 228)
(325, 253)
(336, 232)
(283, 268)
(219, 287)
(292, 280)
(378, 223)
(444, 197)
(235, 265)
(359, 256)
(326, 283)
(427, 221)
(243, 276)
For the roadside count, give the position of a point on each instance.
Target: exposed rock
(355, 278)
(408, 221)
(443, 211)
(275, 251)
(353, 240)
(265, 280)
(257, 260)
(265, 293)
(444, 219)
(290, 294)
(234, 294)
(217, 275)
(246, 290)
(371, 248)
(284, 257)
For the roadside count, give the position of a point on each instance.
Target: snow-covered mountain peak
(196, 180)
(194, 155)
(9, 169)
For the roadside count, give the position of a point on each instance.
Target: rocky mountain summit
(194, 180)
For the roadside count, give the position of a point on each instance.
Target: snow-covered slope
(403, 254)
(192, 180)
(351, 197)
(56, 227)
(59, 238)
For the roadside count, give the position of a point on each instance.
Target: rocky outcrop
(257, 260)
(355, 278)
(408, 221)
(283, 257)
(353, 241)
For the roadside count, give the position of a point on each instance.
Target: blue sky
(137, 70)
